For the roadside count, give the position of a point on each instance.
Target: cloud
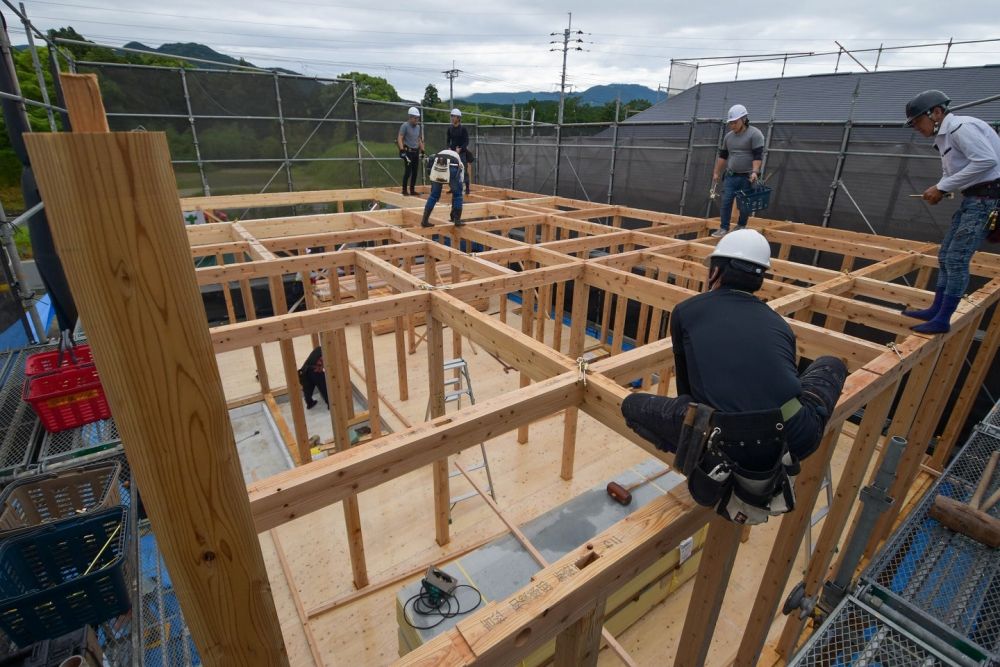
(507, 47)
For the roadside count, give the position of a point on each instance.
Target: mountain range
(595, 95)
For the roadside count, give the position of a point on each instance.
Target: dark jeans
(659, 418)
(310, 381)
(730, 186)
(963, 238)
(456, 188)
(410, 167)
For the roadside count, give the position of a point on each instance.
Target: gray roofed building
(827, 97)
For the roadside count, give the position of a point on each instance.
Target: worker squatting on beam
(970, 163)
(743, 417)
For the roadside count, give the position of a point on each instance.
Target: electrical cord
(431, 601)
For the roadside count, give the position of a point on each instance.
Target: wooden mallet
(973, 519)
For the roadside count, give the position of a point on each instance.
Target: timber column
(116, 219)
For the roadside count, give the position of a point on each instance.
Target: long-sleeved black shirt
(733, 352)
(458, 138)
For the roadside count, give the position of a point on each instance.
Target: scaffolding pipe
(614, 151)
(194, 135)
(57, 85)
(281, 127)
(38, 67)
(770, 128)
(839, 169)
(690, 150)
(24, 296)
(357, 132)
(513, 142)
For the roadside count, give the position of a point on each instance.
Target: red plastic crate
(67, 398)
(46, 362)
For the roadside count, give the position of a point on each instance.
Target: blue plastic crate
(44, 591)
(757, 198)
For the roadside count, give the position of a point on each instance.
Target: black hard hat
(924, 103)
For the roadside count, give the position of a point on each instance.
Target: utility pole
(565, 48)
(452, 74)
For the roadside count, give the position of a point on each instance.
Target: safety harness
(739, 463)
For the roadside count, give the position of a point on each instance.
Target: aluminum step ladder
(819, 515)
(461, 385)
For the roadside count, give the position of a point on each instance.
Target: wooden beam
(112, 205)
(435, 378)
(82, 95)
(290, 494)
(506, 631)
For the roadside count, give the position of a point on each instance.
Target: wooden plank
(269, 199)
(112, 206)
(82, 96)
(300, 610)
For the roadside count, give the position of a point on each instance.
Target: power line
(565, 48)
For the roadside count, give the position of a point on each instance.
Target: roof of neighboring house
(882, 96)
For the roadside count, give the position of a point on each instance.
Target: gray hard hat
(924, 103)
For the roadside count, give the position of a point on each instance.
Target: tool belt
(739, 463)
(989, 189)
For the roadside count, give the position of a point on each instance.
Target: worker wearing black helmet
(970, 164)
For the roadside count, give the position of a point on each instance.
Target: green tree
(372, 87)
(431, 96)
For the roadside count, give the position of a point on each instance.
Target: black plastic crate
(64, 575)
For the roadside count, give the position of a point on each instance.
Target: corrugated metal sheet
(827, 97)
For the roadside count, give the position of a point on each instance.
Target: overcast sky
(505, 46)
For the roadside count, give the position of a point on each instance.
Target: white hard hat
(736, 112)
(414, 111)
(456, 112)
(748, 245)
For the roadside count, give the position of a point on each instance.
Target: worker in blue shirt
(741, 156)
(970, 164)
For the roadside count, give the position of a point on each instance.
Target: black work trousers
(659, 418)
(310, 381)
(411, 164)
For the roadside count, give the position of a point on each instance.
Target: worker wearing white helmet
(458, 141)
(410, 142)
(740, 156)
(736, 358)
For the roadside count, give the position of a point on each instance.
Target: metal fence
(233, 131)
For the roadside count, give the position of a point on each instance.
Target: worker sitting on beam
(743, 417)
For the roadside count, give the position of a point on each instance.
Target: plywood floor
(398, 523)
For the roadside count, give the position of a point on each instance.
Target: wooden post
(714, 570)
(577, 332)
(333, 356)
(580, 643)
(527, 312)
(226, 294)
(973, 382)
(112, 204)
(83, 100)
(250, 313)
(782, 559)
(845, 499)
(435, 376)
(368, 354)
(295, 400)
(558, 316)
(949, 365)
(618, 336)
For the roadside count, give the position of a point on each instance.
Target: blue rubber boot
(941, 322)
(927, 313)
